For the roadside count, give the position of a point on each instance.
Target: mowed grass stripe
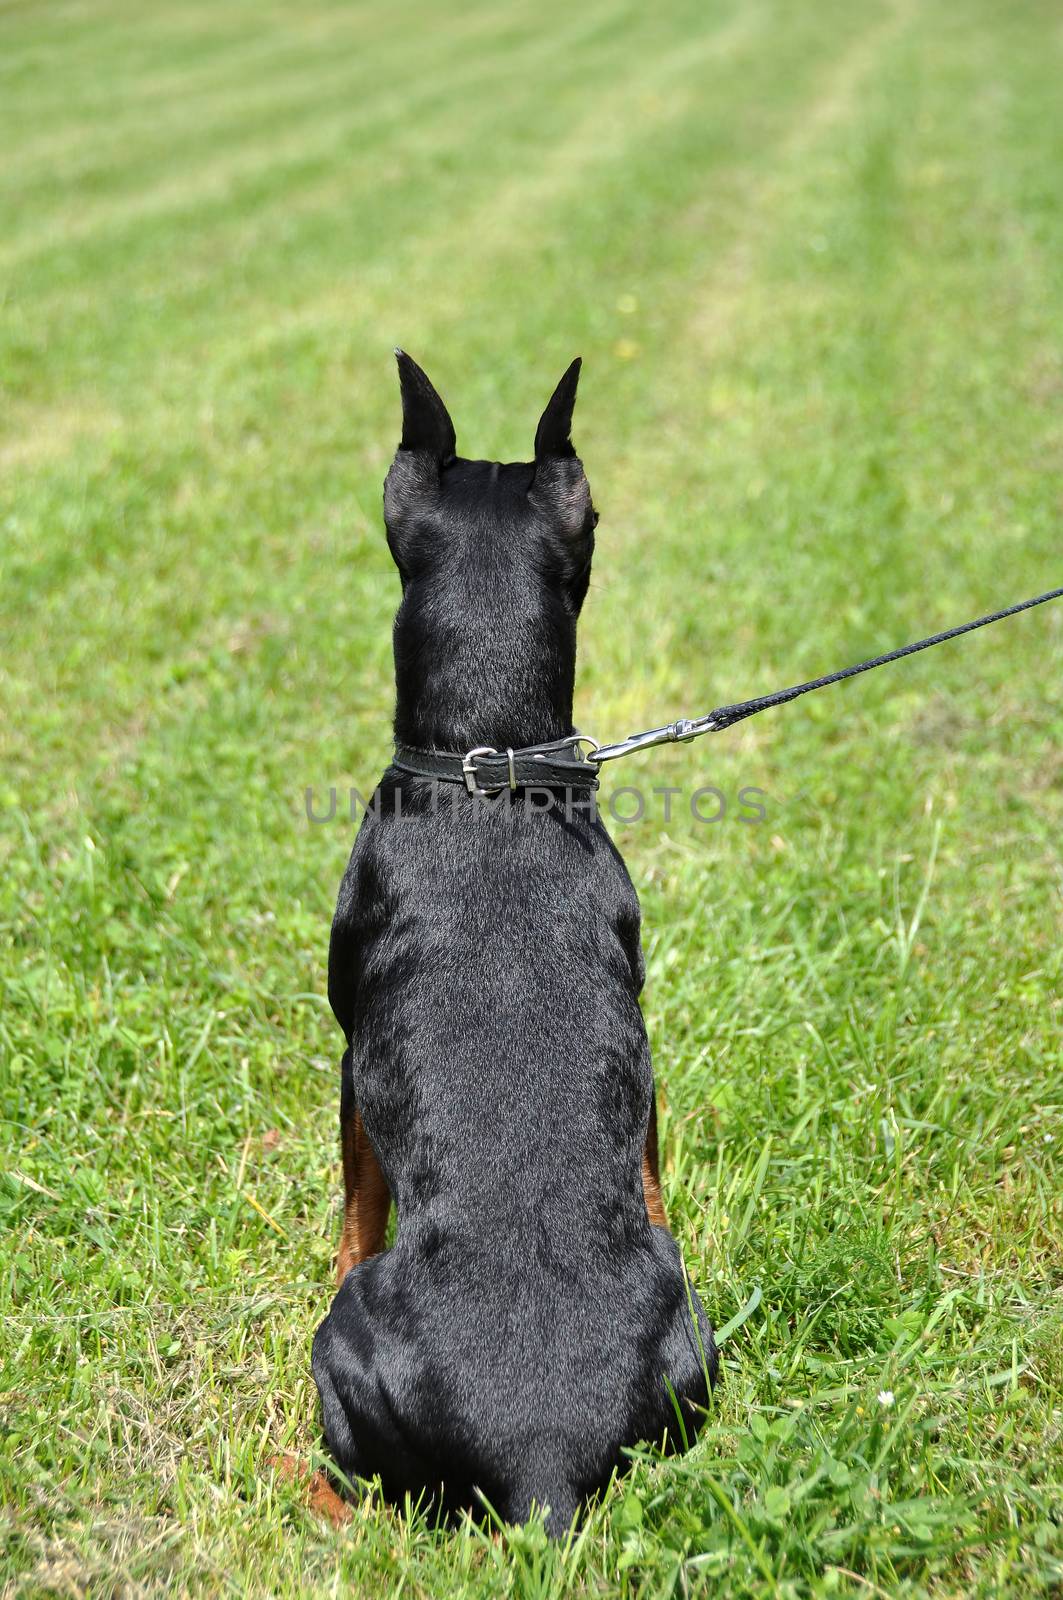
(329, 103)
(92, 59)
(269, 232)
(304, 110)
(545, 180)
(195, 65)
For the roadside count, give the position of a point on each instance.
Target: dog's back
(529, 1321)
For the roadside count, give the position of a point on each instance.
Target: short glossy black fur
(485, 967)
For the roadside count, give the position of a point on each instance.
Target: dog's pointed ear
(426, 424)
(553, 435)
(559, 486)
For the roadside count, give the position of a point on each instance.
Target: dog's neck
(495, 680)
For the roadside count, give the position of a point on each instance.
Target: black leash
(487, 771)
(727, 716)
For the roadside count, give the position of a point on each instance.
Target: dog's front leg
(367, 1199)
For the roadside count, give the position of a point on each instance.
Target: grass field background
(813, 259)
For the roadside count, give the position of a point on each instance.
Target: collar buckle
(468, 769)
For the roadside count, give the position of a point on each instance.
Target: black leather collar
(484, 770)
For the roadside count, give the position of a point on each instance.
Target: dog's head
(494, 560)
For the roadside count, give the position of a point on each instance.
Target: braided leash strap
(727, 716)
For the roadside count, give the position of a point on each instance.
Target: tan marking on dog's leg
(651, 1175)
(367, 1199)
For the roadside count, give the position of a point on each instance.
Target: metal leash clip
(678, 732)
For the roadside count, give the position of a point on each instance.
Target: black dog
(532, 1318)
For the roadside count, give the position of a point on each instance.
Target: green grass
(813, 258)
